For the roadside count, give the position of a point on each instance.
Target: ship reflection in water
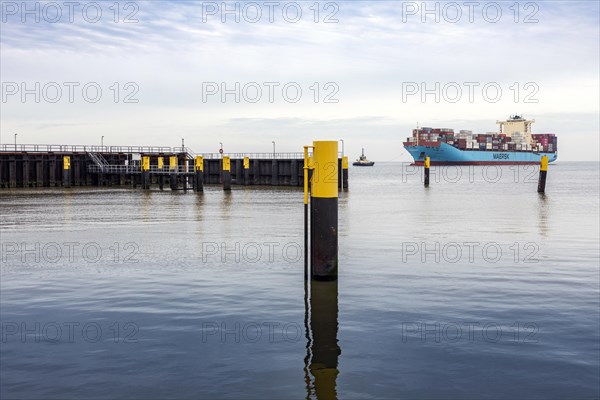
(322, 350)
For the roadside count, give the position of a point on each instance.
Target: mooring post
(345, 172)
(324, 211)
(198, 174)
(66, 178)
(426, 166)
(226, 173)
(543, 173)
(161, 177)
(146, 172)
(246, 171)
(173, 171)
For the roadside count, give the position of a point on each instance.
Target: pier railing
(254, 156)
(77, 148)
(61, 148)
(136, 169)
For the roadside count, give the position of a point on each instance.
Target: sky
(367, 72)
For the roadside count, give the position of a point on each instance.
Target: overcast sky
(373, 61)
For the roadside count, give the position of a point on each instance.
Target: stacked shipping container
(491, 141)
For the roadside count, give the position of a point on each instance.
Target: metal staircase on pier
(99, 160)
(189, 154)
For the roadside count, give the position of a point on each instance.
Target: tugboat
(362, 161)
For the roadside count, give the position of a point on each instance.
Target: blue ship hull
(447, 154)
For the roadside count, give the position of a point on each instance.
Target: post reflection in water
(543, 210)
(322, 350)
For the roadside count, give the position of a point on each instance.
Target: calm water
(471, 288)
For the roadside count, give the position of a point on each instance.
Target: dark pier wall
(39, 169)
(21, 170)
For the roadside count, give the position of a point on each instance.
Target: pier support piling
(77, 172)
(198, 174)
(274, 173)
(173, 165)
(12, 173)
(25, 171)
(256, 171)
(52, 171)
(246, 171)
(294, 173)
(161, 178)
(145, 172)
(239, 171)
(39, 173)
(226, 173)
(66, 178)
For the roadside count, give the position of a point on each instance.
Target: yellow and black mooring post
(543, 173)
(226, 173)
(173, 166)
(66, 171)
(145, 172)
(324, 211)
(426, 166)
(198, 173)
(345, 172)
(247, 171)
(161, 177)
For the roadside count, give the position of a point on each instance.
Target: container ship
(514, 144)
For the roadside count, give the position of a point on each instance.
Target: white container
(488, 146)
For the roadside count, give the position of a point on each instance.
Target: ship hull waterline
(445, 154)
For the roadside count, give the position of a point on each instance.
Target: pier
(47, 165)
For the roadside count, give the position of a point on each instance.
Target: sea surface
(476, 287)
